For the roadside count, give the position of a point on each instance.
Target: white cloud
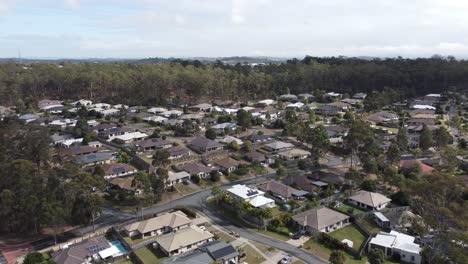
(73, 4)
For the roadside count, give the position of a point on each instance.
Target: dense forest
(184, 80)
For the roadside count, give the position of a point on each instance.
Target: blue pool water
(118, 245)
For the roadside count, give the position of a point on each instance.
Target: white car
(203, 228)
(285, 260)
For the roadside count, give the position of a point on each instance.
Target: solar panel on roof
(223, 252)
(251, 192)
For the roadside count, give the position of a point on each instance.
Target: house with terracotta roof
(404, 164)
(321, 219)
(165, 223)
(227, 164)
(369, 200)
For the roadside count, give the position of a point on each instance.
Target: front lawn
(314, 247)
(252, 256)
(349, 209)
(350, 232)
(369, 224)
(149, 255)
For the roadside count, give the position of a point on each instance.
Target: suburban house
(229, 139)
(369, 200)
(255, 156)
(405, 164)
(397, 244)
(211, 252)
(130, 137)
(82, 102)
(227, 164)
(257, 139)
(95, 159)
(382, 117)
(277, 146)
(288, 97)
(199, 169)
(294, 154)
(89, 251)
(333, 96)
(306, 96)
(223, 127)
(202, 108)
(156, 110)
(182, 241)
(117, 170)
(328, 110)
(177, 177)
(278, 190)
(253, 196)
(110, 132)
(28, 117)
(360, 96)
(152, 144)
(62, 123)
(178, 152)
(165, 223)
(83, 150)
(154, 118)
(321, 219)
(202, 144)
(126, 184)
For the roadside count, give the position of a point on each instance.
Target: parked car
(285, 260)
(298, 235)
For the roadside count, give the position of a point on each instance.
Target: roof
(173, 220)
(381, 217)
(277, 188)
(408, 163)
(294, 152)
(77, 253)
(173, 176)
(229, 139)
(152, 142)
(370, 198)
(183, 238)
(131, 136)
(93, 157)
(124, 183)
(255, 156)
(260, 201)
(319, 218)
(177, 150)
(244, 192)
(117, 168)
(204, 143)
(227, 163)
(207, 253)
(397, 240)
(277, 145)
(195, 168)
(80, 150)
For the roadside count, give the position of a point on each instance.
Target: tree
(449, 158)
(247, 146)
(281, 171)
(36, 258)
(393, 153)
(317, 137)
(234, 145)
(214, 176)
(369, 185)
(312, 117)
(123, 157)
(210, 133)
(402, 139)
(244, 119)
(337, 257)
(161, 158)
(425, 139)
(442, 137)
(376, 256)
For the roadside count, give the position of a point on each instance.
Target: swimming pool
(119, 246)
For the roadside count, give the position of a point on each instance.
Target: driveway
(298, 242)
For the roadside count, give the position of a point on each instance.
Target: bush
(189, 212)
(331, 242)
(214, 176)
(195, 178)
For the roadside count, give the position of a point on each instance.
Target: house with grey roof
(95, 159)
(321, 219)
(203, 145)
(82, 252)
(199, 169)
(152, 144)
(369, 200)
(162, 224)
(210, 252)
(184, 240)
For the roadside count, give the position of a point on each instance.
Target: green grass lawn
(150, 255)
(349, 232)
(124, 261)
(345, 207)
(369, 224)
(276, 211)
(134, 241)
(261, 247)
(320, 250)
(224, 237)
(185, 189)
(252, 256)
(272, 234)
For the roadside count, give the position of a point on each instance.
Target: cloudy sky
(211, 28)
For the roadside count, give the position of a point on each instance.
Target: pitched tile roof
(173, 219)
(319, 218)
(370, 198)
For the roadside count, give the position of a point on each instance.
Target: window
(412, 258)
